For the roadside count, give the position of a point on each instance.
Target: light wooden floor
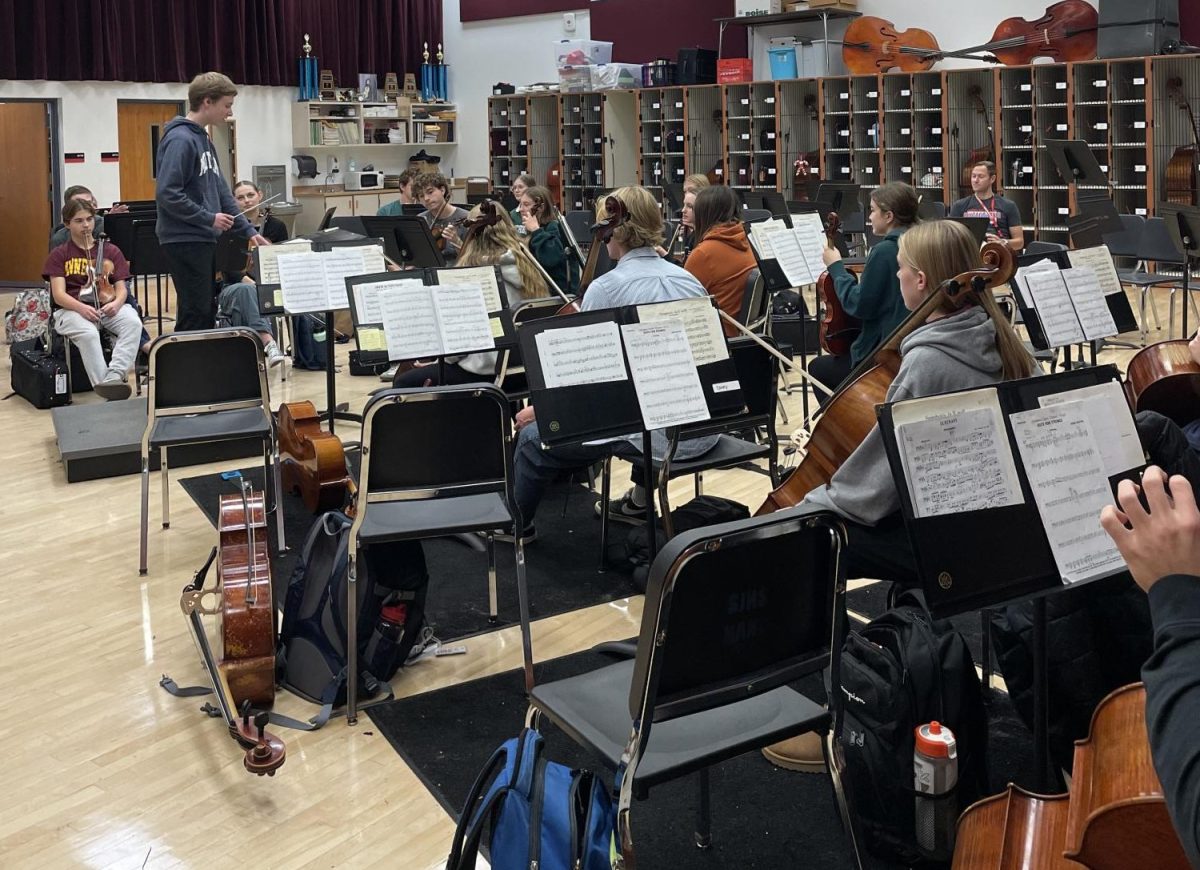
(104, 769)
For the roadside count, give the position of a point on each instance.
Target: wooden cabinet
(348, 204)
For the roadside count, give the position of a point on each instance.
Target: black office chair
(510, 375)
(710, 682)
(436, 461)
(206, 386)
(758, 374)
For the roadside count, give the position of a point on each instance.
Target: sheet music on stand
(797, 249)
(1070, 304)
(266, 265)
(315, 281)
(1019, 471)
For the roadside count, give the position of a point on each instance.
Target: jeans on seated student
(126, 328)
(238, 303)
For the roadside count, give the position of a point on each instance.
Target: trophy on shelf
(440, 76)
(426, 75)
(308, 73)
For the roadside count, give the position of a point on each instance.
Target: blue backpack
(542, 814)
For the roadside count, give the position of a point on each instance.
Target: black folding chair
(734, 613)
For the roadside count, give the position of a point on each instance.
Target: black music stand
(148, 259)
(1183, 223)
(1096, 214)
(414, 244)
(947, 547)
(976, 226)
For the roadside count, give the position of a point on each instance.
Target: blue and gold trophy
(308, 73)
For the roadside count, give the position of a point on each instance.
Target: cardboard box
(581, 52)
(731, 70)
(742, 8)
(836, 4)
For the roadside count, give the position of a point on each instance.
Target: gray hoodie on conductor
(953, 353)
(190, 190)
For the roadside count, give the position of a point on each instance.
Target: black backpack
(703, 510)
(903, 670)
(392, 582)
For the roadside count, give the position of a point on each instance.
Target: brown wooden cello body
(312, 460)
(247, 615)
(1114, 816)
(849, 416)
(1164, 377)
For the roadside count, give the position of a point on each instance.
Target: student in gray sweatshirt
(195, 204)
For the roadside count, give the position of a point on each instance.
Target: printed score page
(1060, 324)
(575, 355)
(1023, 285)
(810, 233)
(344, 262)
(955, 453)
(463, 318)
(667, 384)
(1066, 473)
(302, 281)
(1090, 306)
(1100, 261)
(484, 276)
(410, 323)
(267, 258)
(1108, 414)
(787, 252)
(700, 321)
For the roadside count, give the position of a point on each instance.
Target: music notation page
(421, 321)
(577, 355)
(700, 321)
(664, 374)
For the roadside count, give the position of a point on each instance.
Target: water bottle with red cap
(935, 773)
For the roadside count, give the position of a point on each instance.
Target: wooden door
(139, 127)
(25, 190)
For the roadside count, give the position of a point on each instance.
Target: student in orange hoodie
(722, 257)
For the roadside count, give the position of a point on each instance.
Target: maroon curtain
(254, 42)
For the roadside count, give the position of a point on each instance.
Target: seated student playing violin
(1003, 216)
(444, 219)
(538, 219)
(639, 277)
(963, 344)
(722, 257)
(491, 241)
(874, 298)
(395, 208)
(1160, 543)
(237, 301)
(77, 287)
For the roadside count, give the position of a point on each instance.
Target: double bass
(244, 677)
(849, 416)
(1180, 176)
(1115, 815)
(312, 461)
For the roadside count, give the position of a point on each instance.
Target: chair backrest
(327, 218)
(931, 209)
(1156, 244)
(738, 609)
(511, 362)
(580, 225)
(754, 299)
(436, 441)
(755, 215)
(207, 370)
(1125, 243)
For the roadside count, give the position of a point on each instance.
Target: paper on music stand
(664, 376)
(481, 275)
(1108, 414)
(1087, 296)
(788, 254)
(762, 241)
(267, 256)
(1053, 303)
(576, 355)
(370, 338)
(316, 281)
(1100, 261)
(344, 262)
(955, 453)
(421, 322)
(810, 233)
(700, 321)
(1066, 473)
(1022, 284)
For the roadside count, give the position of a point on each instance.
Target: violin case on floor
(38, 377)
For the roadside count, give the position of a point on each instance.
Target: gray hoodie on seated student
(190, 190)
(954, 353)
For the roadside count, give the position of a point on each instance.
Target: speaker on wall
(1136, 28)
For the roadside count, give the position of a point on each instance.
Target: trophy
(440, 71)
(308, 73)
(427, 77)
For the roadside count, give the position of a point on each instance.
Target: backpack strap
(468, 832)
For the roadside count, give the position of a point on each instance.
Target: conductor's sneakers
(112, 387)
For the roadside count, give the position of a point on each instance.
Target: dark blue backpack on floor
(541, 814)
(311, 651)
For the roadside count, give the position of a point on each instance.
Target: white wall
(516, 50)
(87, 117)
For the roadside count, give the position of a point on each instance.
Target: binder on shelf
(988, 470)
(603, 374)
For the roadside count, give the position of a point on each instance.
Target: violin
(313, 462)
(602, 233)
(1164, 377)
(245, 675)
(837, 330)
(100, 275)
(1115, 815)
(849, 416)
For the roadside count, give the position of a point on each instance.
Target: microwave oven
(364, 180)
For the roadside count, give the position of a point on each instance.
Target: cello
(1164, 377)
(245, 675)
(1115, 815)
(312, 461)
(849, 415)
(602, 233)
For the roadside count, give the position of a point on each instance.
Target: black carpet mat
(560, 566)
(762, 817)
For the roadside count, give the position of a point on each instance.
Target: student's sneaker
(527, 537)
(275, 356)
(389, 373)
(112, 387)
(624, 510)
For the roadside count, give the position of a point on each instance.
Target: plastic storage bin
(581, 52)
(783, 62)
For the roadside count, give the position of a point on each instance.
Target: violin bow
(558, 291)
